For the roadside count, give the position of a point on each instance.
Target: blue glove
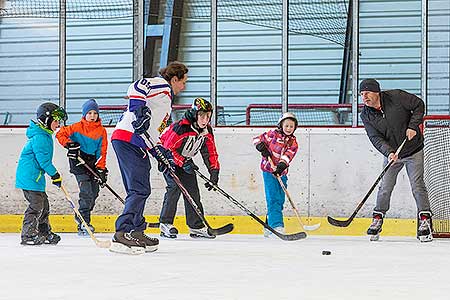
(142, 122)
(189, 166)
(164, 157)
(57, 180)
(213, 178)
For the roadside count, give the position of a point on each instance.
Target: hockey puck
(326, 252)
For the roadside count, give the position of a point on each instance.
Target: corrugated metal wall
(99, 64)
(249, 59)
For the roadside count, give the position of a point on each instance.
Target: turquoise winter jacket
(35, 159)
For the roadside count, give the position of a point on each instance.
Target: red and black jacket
(184, 141)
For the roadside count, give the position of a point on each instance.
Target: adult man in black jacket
(389, 117)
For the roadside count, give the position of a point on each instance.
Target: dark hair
(173, 69)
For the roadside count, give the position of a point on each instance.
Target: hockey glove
(142, 122)
(102, 176)
(73, 150)
(57, 180)
(189, 166)
(213, 179)
(281, 166)
(261, 147)
(164, 158)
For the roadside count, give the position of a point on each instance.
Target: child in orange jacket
(86, 139)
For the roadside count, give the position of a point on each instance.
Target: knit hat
(88, 106)
(369, 85)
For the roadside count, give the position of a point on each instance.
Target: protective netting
(437, 171)
(307, 114)
(75, 9)
(323, 18)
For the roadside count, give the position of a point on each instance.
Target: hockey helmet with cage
(199, 104)
(48, 112)
(287, 115)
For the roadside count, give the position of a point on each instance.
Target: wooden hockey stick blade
(311, 227)
(98, 243)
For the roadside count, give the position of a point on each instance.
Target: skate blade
(149, 249)
(425, 238)
(172, 236)
(374, 238)
(120, 248)
(197, 236)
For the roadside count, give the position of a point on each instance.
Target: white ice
(229, 267)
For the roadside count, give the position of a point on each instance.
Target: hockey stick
(215, 231)
(345, 223)
(99, 243)
(285, 237)
(83, 162)
(306, 227)
(97, 176)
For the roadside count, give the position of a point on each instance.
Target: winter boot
(425, 230)
(36, 239)
(151, 244)
(201, 233)
(123, 242)
(375, 228)
(82, 230)
(50, 237)
(168, 231)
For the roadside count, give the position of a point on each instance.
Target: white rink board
(241, 267)
(331, 173)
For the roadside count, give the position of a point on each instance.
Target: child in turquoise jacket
(36, 160)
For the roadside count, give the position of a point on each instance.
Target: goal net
(437, 171)
(307, 114)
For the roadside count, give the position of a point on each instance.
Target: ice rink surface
(229, 267)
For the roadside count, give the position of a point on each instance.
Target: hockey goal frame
(435, 221)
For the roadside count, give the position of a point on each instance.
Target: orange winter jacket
(90, 135)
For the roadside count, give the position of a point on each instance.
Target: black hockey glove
(281, 166)
(102, 176)
(261, 147)
(73, 150)
(57, 180)
(164, 157)
(213, 178)
(142, 122)
(189, 166)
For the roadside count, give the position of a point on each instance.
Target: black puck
(326, 252)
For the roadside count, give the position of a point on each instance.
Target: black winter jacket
(386, 129)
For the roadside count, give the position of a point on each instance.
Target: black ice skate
(37, 239)
(50, 237)
(151, 244)
(201, 233)
(424, 230)
(168, 231)
(82, 230)
(375, 228)
(123, 242)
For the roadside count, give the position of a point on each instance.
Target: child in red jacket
(86, 139)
